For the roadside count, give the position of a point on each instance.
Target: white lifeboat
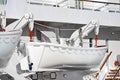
(48, 55)
(8, 43)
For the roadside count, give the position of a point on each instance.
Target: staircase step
(109, 78)
(113, 75)
(112, 71)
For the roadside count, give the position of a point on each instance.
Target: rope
(50, 27)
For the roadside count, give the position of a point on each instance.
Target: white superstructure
(43, 60)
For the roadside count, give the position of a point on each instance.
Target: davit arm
(84, 31)
(19, 24)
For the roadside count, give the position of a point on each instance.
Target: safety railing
(92, 5)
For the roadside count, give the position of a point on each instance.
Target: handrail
(116, 74)
(78, 4)
(101, 2)
(106, 59)
(104, 2)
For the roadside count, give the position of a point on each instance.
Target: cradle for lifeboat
(48, 55)
(8, 43)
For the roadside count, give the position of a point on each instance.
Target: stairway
(113, 73)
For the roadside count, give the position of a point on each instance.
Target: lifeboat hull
(48, 55)
(8, 43)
